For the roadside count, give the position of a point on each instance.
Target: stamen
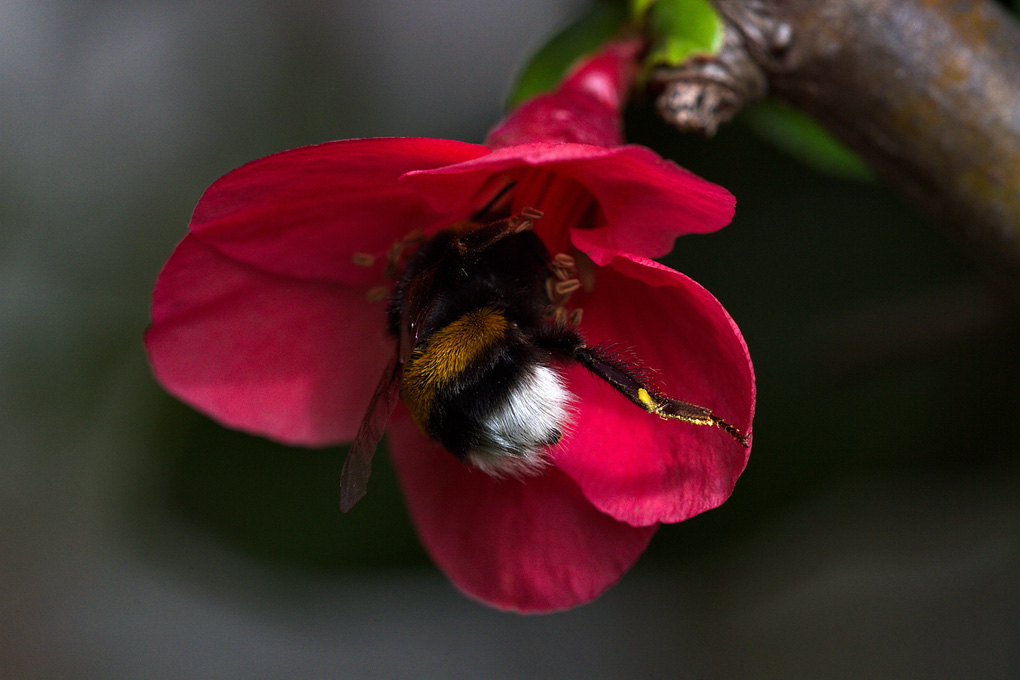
(562, 267)
(563, 261)
(378, 294)
(575, 317)
(566, 287)
(363, 259)
(557, 298)
(526, 219)
(549, 291)
(397, 249)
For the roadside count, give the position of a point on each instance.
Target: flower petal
(645, 201)
(529, 545)
(303, 213)
(630, 464)
(585, 108)
(293, 360)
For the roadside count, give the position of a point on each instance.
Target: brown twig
(927, 91)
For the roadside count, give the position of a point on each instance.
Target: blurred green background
(874, 534)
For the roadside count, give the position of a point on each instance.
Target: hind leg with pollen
(626, 381)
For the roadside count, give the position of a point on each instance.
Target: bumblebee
(481, 328)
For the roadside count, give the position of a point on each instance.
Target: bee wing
(358, 466)
(418, 301)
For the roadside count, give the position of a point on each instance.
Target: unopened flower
(268, 317)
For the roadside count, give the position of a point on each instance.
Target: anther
(523, 225)
(563, 261)
(396, 250)
(530, 213)
(550, 292)
(363, 259)
(566, 287)
(575, 317)
(378, 294)
(562, 267)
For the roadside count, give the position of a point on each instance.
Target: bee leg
(475, 241)
(626, 380)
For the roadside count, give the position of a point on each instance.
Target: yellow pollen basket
(446, 354)
(646, 399)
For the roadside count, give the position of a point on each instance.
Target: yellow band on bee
(448, 353)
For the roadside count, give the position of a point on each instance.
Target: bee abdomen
(513, 424)
(479, 388)
(446, 356)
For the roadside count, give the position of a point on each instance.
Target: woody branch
(927, 91)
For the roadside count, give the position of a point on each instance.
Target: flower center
(565, 203)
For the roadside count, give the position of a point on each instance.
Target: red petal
(584, 109)
(528, 545)
(292, 360)
(630, 464)
(304, 212)
(645, 201)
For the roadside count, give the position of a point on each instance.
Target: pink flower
(262, 319)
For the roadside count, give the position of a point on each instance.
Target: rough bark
(927, 91)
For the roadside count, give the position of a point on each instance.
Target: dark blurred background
(874, 534)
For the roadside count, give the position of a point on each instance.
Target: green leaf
(680, 29)
(805, 139)
(547, 68)
(639, 7)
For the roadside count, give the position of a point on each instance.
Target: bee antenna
(495, 199)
